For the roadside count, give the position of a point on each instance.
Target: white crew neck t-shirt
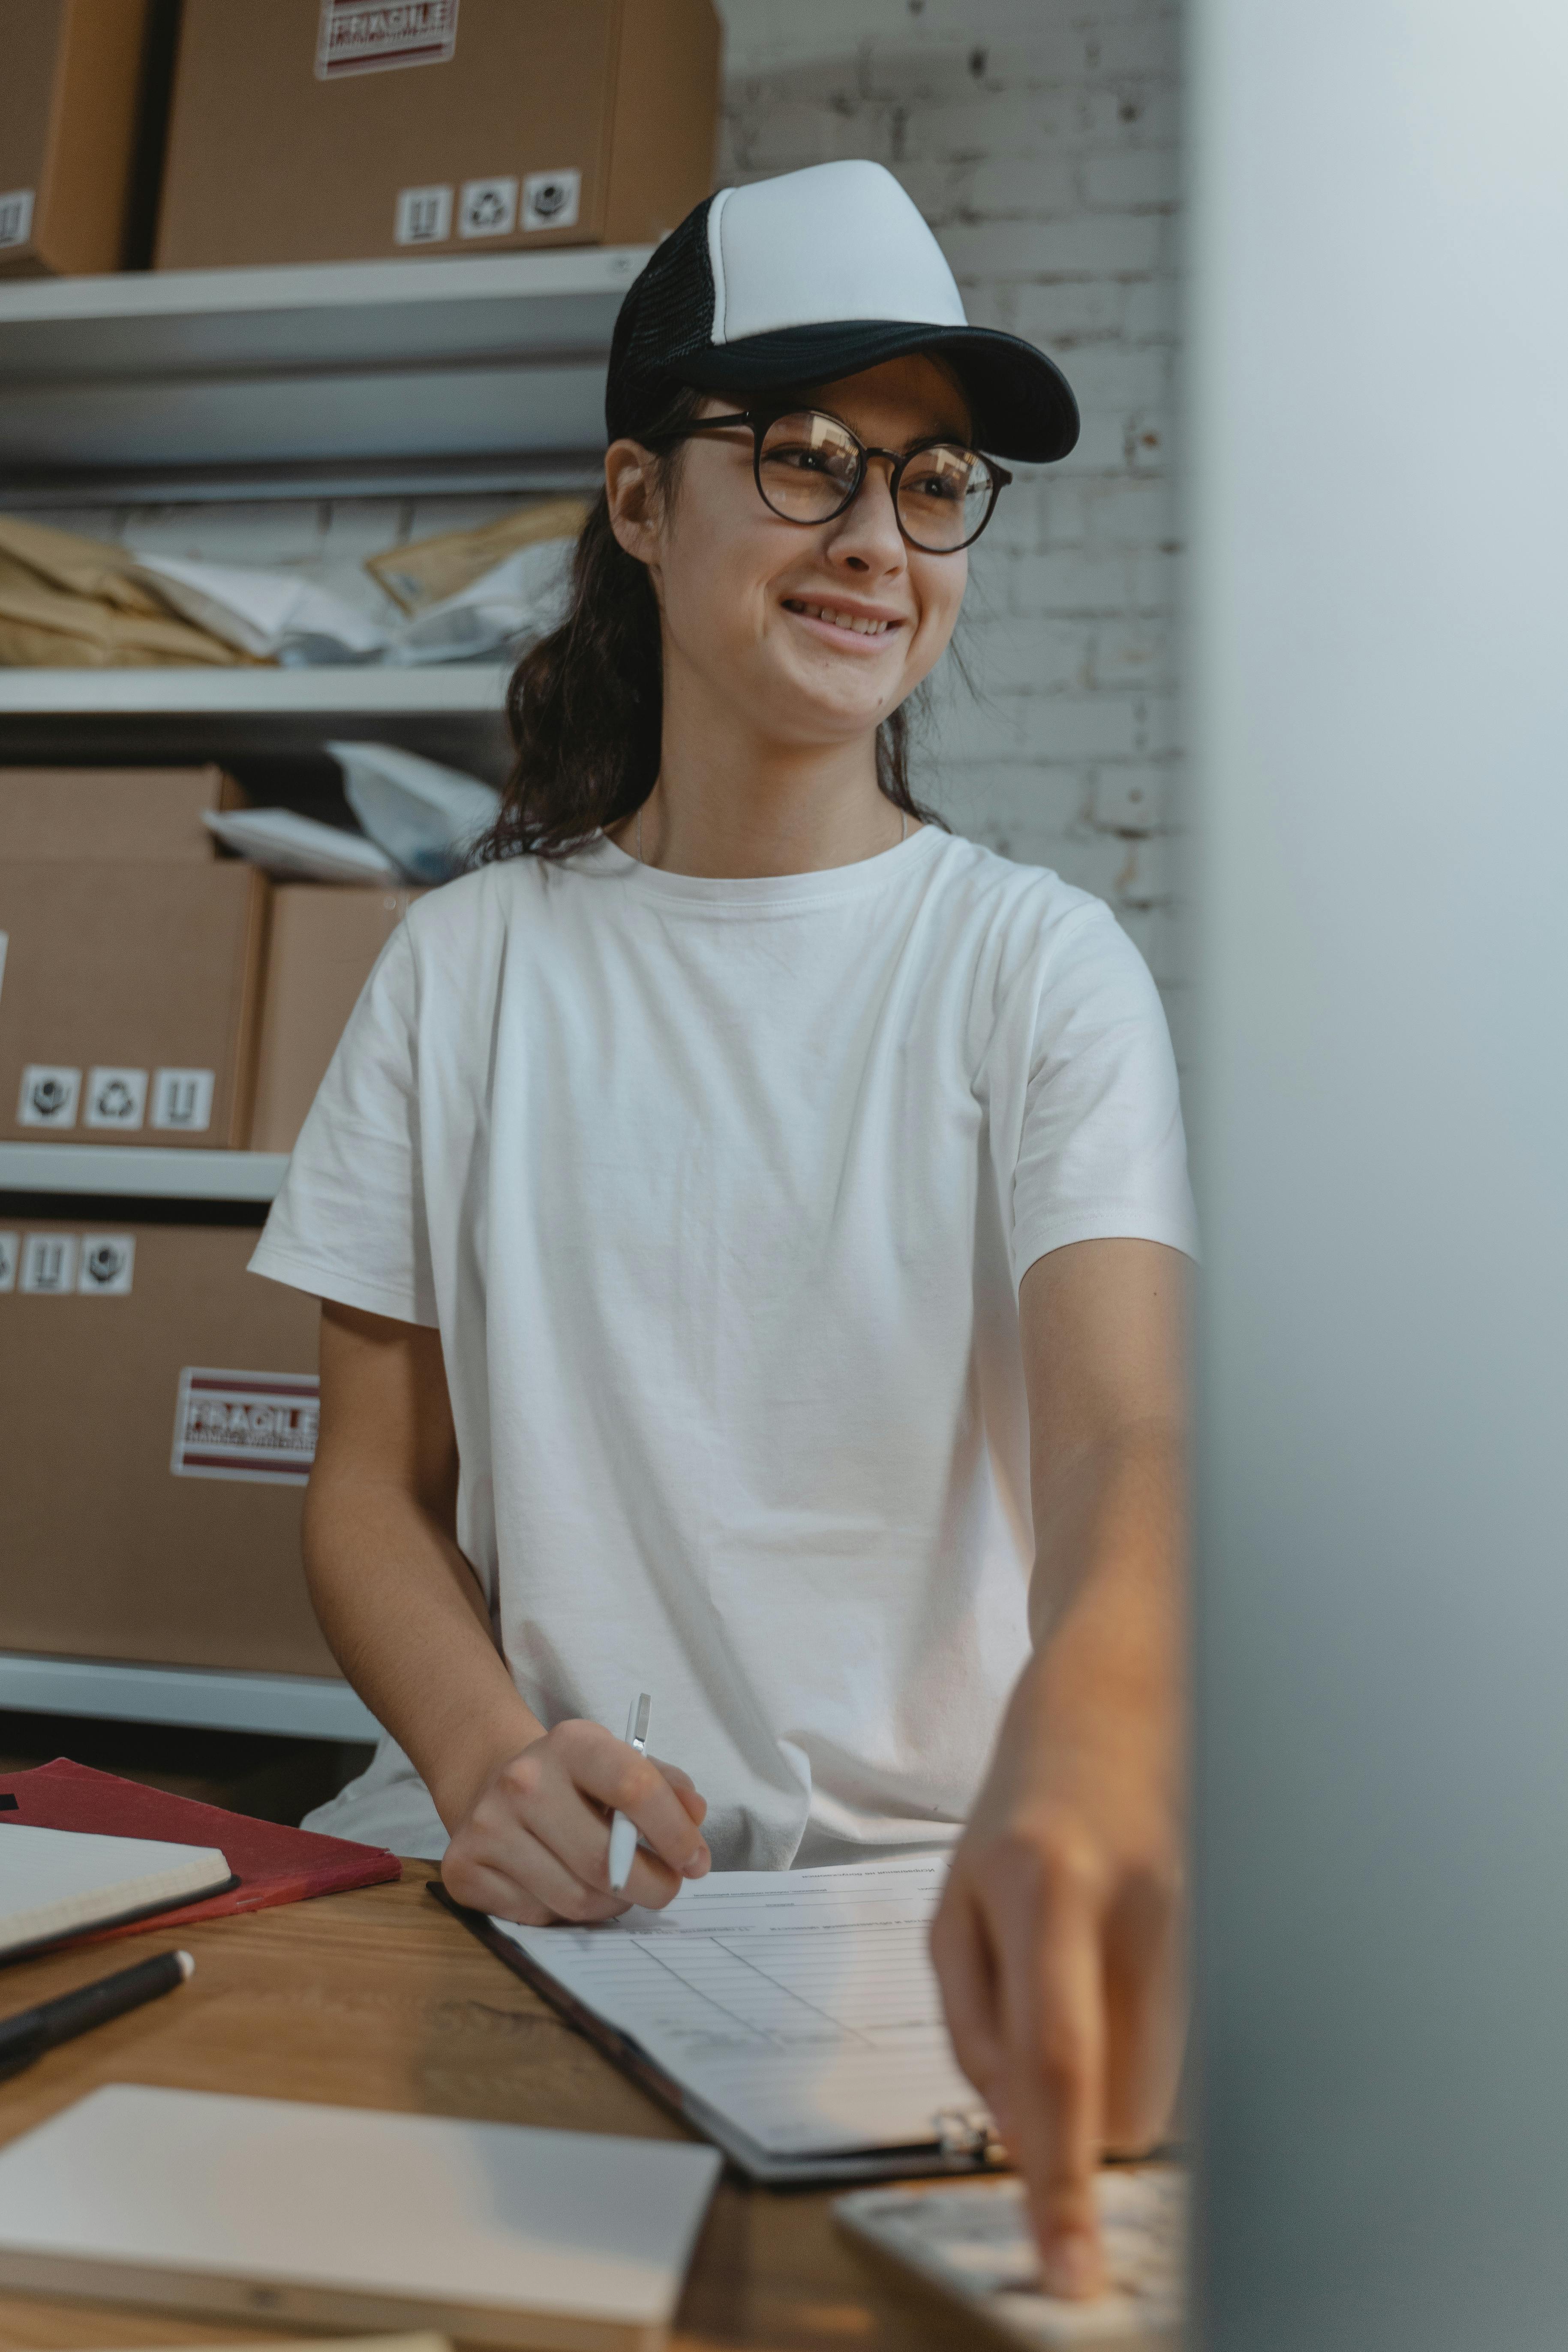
(719, 1193)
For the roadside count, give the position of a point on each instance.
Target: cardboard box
(114, 814)
(79, 118)
(131, 987)
(159, 1410)
(327, 130)
(322, 941)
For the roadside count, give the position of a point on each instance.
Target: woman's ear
(631, 492)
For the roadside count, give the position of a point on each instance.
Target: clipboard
(962, 2142)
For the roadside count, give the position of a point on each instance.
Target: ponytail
(585, 705)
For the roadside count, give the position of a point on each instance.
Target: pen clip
(636, 1729)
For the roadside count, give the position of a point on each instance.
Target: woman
(749, 1220)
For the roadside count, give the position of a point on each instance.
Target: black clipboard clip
(968, 2133)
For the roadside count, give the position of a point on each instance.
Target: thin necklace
(903, 832)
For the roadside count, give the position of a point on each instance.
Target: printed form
(798, 2007)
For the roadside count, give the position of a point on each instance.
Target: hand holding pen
(536, 1846)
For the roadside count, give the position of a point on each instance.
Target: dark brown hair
(585, 705)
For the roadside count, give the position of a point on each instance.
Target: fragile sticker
(16, 216)
(354, 39)
(49, 1095)
(251, 1425)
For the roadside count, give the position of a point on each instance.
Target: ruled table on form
(802, 2004)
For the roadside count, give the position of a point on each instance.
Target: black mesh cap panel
(667, 317)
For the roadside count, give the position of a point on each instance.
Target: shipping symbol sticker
(354, 39)
(259, 1426)
(10, 1251)
(106, 1265)
(550, 199)
(487, 208)
(16, 216)
(49, 1095)
(183, 1099)
(422, 216)
(48, 1265)
(116, 1098)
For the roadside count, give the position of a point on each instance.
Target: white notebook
(339, 2217)
(793, 2016)
(58, 1882)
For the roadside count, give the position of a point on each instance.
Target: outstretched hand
(1059, 1947)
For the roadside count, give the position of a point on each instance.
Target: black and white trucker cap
(808, 278)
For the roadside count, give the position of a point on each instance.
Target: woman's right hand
(536, 1846)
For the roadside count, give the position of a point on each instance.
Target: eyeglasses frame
(759, 420)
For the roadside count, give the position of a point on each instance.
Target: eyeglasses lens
(808, 469)
(944, 496)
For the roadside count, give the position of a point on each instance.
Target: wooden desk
(381, 1999)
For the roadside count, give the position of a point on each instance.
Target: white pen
(622, 1831)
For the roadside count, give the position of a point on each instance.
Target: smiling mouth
(859, 623)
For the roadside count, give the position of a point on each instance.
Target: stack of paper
(59, 1883)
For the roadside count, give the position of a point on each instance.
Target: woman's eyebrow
(937, 433)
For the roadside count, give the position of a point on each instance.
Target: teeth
(862, 626)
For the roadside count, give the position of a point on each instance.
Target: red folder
(272, 1863)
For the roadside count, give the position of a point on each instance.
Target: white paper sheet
(800, 2005)
(276, 615)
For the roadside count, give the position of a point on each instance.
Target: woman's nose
(867, 534)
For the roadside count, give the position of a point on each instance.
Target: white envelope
(271, 614)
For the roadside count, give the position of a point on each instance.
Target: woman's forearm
(528, 1810)
(405, 1620)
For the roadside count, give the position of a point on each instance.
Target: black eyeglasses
(809, 468)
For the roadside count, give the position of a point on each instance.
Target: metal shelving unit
(453, 712)
(308, 1707)
(386, 378)
(129, 1172)
(137, 380)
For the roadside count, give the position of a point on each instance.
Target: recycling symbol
(115, 1100)
(486, 211)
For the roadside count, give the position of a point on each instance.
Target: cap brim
(1022, 403)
